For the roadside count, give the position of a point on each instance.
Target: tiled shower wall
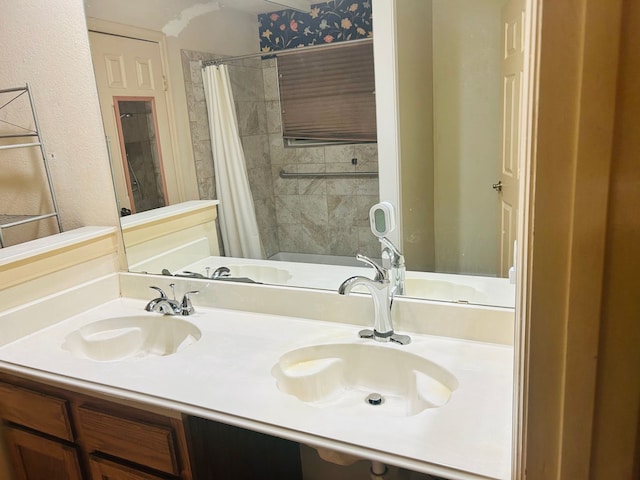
(316, 216)
(142, 155)
(248, 93)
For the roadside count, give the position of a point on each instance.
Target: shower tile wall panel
(198, 122)
(248, 92)
(314, 216)
(324, 215)
(144, 165)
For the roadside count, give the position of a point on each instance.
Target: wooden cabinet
(103, 469)
(56, 434)
(35, 410)
(136, 441)
(35, 457)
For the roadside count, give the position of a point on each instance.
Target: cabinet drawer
(35, 457)
(103, 469)
(138, 442)
(45, 413)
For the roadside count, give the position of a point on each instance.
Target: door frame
(138, 33)
(563, 227)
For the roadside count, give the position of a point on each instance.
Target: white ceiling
(156, 14)
(262, 6)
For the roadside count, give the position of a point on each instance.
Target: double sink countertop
(227, 376)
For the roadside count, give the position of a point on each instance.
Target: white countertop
(226, 376)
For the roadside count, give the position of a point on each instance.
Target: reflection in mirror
(314, 226)
(143, 168)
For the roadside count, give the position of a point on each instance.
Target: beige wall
(447, 137)
(466, 111)
(48, 48)
(617, 409)
(580, 317)
(415, 110)
(46, 45)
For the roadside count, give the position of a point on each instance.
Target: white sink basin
(345, 375)
(133, 336)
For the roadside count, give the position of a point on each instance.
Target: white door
(512, 66)
(128, 68)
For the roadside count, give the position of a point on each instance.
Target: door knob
(497, 186)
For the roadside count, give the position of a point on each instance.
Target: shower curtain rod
(277, 53)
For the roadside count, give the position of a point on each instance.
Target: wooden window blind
(328, 94)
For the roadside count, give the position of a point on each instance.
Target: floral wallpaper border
(328, 22)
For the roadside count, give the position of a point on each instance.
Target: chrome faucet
(393, 261)
(167, 306)
(382, 295)
(221, 272)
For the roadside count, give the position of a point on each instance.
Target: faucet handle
(162, 294)
(153, 304)
(381, 273)
(187, 306)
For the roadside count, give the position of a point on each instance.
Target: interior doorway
(141, 153)
(131, 88)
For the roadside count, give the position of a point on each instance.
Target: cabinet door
(38, 458)
(36, 410)
(133, 440)
(102, 469)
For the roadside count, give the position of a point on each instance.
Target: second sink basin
(346, 375)
(132, 336)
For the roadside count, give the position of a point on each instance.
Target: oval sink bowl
(345, 375)
(135, 336)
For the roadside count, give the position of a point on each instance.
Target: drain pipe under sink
(378, 471)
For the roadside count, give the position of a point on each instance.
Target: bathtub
(433, 286)
(346, 261)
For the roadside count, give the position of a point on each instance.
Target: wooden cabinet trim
(167, 426)
(20, 441)
(103, 469)
(36, 410)
(134, 440)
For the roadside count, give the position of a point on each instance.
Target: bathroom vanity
(117, 392)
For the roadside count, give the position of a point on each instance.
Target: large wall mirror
(453, 174)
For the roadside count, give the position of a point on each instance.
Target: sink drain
(374, 399)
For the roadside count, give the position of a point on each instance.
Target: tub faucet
(221, 272)
(167, 306)
(382, 295)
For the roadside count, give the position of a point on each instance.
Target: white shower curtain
(238, 225)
